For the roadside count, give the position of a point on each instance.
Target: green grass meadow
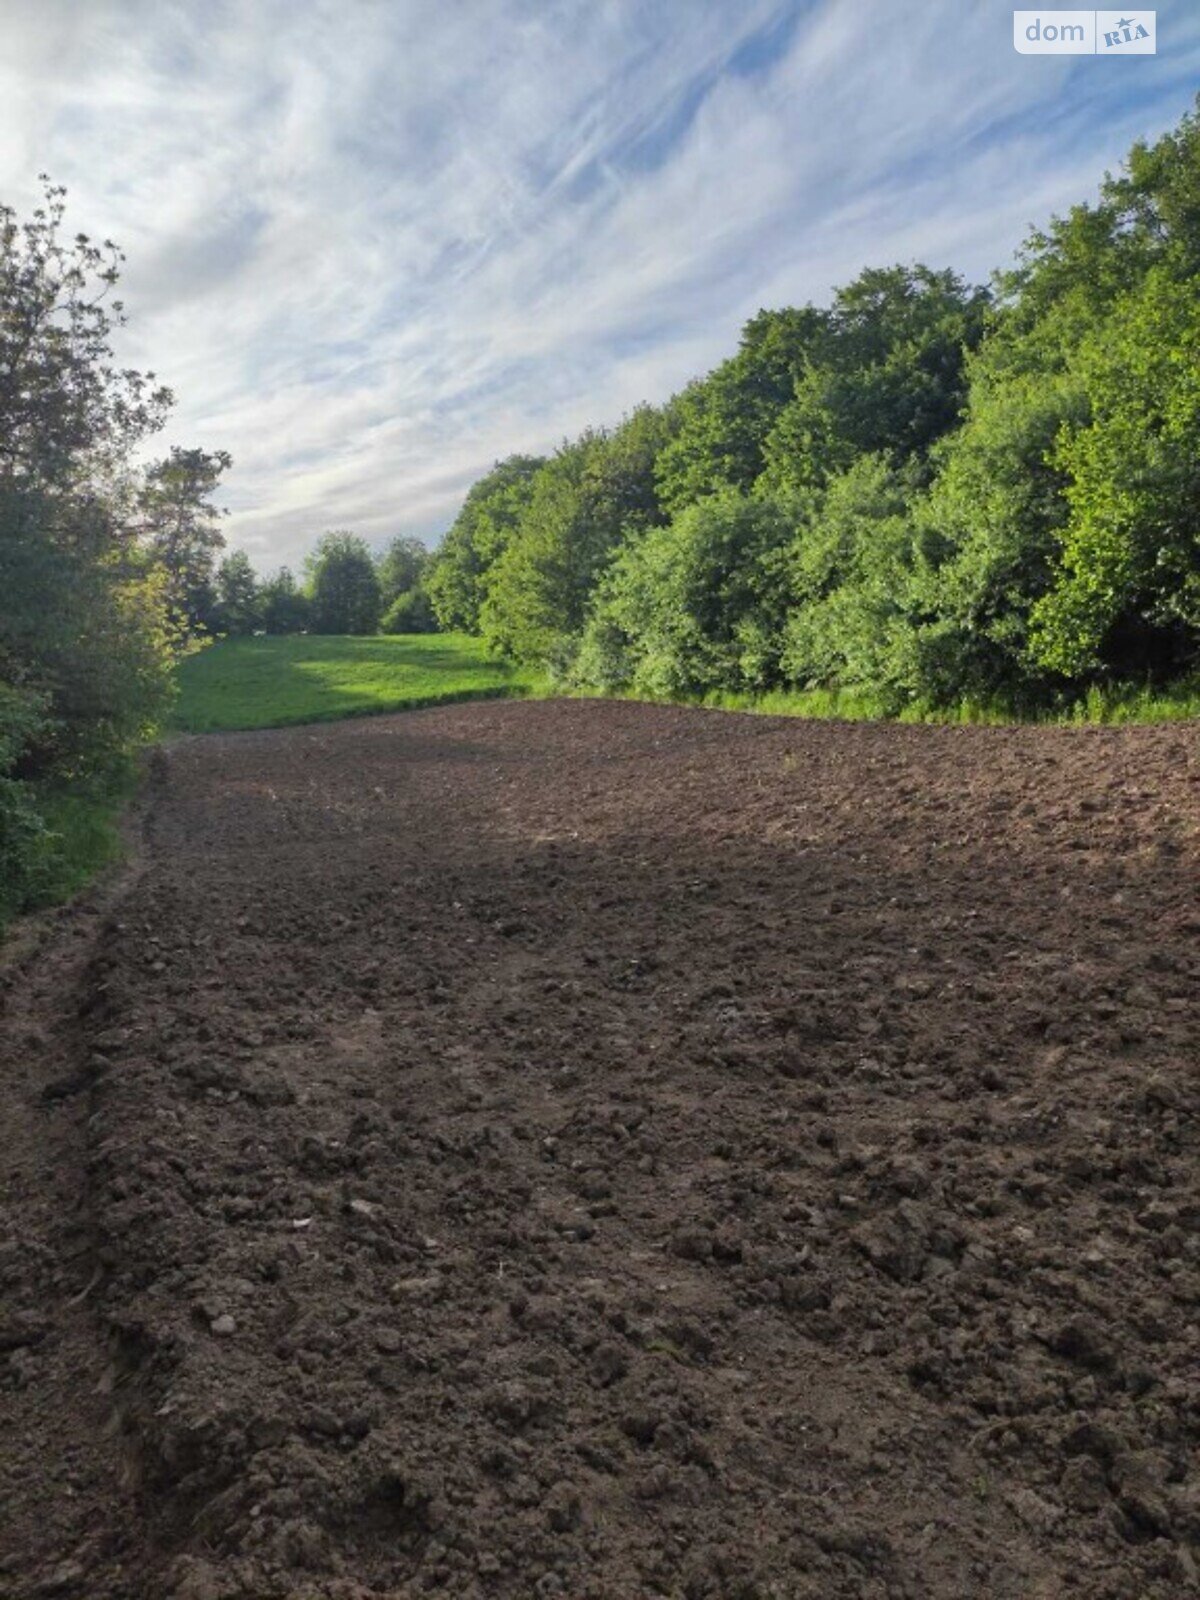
(274, 682)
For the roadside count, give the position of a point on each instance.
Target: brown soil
(606, 1151)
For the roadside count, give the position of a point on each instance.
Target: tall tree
(593, 494)
(725, 420)
(1125, 592)
(460, 572)
(343, 585)
(68, 416)
(182, 527)
(401, 568)
(239, 602)
(887, 372)
(285, 607)
(85, 651)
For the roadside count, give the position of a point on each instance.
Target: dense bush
(694, 604)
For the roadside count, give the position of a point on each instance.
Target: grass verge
(68, 835)
(1120, 705)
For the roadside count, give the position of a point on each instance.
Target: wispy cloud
(375, 245)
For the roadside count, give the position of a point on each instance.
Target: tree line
(927, 491)
(343, 588)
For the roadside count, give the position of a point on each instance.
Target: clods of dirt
(608, 1151)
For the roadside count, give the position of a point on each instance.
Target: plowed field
(596, 1150)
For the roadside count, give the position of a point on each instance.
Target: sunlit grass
(266, 683)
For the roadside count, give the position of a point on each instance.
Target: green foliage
(694, 605)
(285, 607)
(409, 612)
(262, 683)
(401, 568)
(995, 504)
(850, 573)
(182, 529)
(68, 417)
(407, 608)
(239, 603)
(22, 827)
(724, 421)
(343, 586)
(458, 576)
(985, 536)
(82, 629)
(1126, 591)
(583, 502)
(885, 373)
(87, 636)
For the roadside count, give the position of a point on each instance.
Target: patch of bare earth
(608, 1151)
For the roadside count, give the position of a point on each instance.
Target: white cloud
(374, 246)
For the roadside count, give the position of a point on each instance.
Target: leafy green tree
(986, 497)
(285, 607)
(401, 568)
(985, 538)
(86, 635)
(410, 612)
(460, 569)
(182, 528)
(850, 574)
(1126, 589)
(343, 585)
(725, 420)
(239, 601)
(589, 497)
(85, 647)
(69, 417)
(887, 372)
(993, 532)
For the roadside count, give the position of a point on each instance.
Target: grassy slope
(260, 683)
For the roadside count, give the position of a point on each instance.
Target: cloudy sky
(374, 245)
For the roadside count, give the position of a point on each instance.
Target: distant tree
(285, 607)
(239, 603)
(461, 567)
(401, 568)
(410, 612)
(181, 528)
(343, 585)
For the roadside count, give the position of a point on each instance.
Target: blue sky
(374, 245)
